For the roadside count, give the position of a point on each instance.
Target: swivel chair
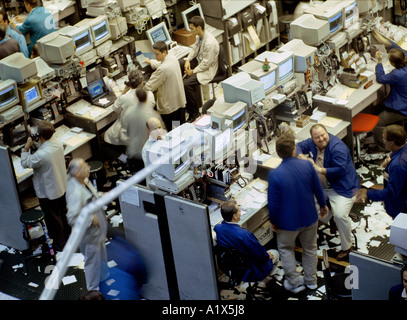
(335, 286)
(235, 264)
(222, 73)
(361, 124)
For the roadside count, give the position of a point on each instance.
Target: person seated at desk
(49, 180)
(7, 46)
(38, 24)
(394, 193)
(229, 235)
(167, 81)
(156, 132)
(200, 66)
(13, 34)
(116, 136)
(399, 291)
(395, 105)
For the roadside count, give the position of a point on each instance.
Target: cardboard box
(184, 37)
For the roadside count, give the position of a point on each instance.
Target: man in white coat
(49, 180)
(200, 66)
(167, 81)
(80, 192)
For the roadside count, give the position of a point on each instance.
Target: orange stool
(362, 123)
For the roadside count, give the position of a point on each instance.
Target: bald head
(153, 123)
(79, 169)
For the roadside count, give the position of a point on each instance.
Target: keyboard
(179, 51)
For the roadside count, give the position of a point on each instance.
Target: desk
(75, 144)
(357, 102)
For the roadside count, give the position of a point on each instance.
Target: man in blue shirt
(394, 193)
(333, 163)
(229, 234)
(395, 105)
(13, 34)
(292, 189)
(38, 24)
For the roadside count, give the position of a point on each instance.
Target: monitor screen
(100, 30)
(239, 120)
(351, 14)
(269, 80)
(7, 96)
(82, 40)
(335, 22)
(285, 69)
(193, 11)
(159, 35)
(95, 89)
(31, 94)
(222, 141)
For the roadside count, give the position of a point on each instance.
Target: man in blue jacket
(292, 189)
(394, 193)
(333, 163)
(38, 24)
(229, 235)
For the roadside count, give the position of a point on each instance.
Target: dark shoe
(343, 255)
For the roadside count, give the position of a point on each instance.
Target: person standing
(167, 81)
(333, 163)
(292, 189)
(49, 181)
(394, 193)
(200, 66)
(78, 194)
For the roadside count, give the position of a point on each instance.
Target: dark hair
(197, 21)
(135, 78)
(5, 15)
(45, 129)
(228, 209)
(160, 46)
(32, 3)
(2, 32)
(141, 94)
(93, 295)
(285, 146)
(396, 133)
(397, 58)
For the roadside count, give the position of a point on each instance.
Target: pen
(311, 155)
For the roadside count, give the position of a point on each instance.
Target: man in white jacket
(200, 66)
(49, 180)
(79, 193)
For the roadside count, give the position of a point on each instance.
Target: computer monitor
(159, 33)
(99, 28)
(195, 10)
(81, 36)
(329, 12)
(8, 94)
(398, 233)
(237, 113)
(55, 48)
(284, 61)
(220, 142)
(18, 68)
(309, 29)
(127, 4)
(241, 87)
(351, 11)
(267, 77)
(179, 160)
(30, 93)
(304, 55)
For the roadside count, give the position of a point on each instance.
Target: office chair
(235, 264)
(335, 287)
(223, 70)
(362, 123)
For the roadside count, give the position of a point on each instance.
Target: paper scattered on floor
(68, 280)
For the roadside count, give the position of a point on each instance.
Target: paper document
(330, 122)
